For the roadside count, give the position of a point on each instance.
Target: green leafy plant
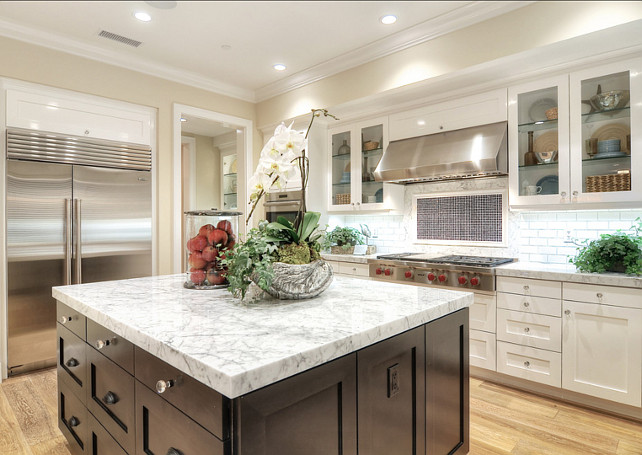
(345, 237)
(617, 252)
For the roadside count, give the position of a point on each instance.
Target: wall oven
(284, 204)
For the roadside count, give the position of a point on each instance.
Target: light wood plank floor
(502, 421)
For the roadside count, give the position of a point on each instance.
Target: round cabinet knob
(567, 312)
(526, 304)
(527, 330)
(527, 364)
(74, 422)
(173, 451)
(101, 344)
(526, 288)
(441, 278)
(408, 274)
(65, 319)
(388, 272)
(72, 363)
(474, 281)
(462, 280)
(86, 131)
(110, 398)
(431, 276)
(378, 271)
(162, 386)
(599, 295)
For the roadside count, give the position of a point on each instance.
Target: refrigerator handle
(78, 265)
(68, 241)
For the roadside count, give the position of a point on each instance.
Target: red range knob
(378, 271)
(462, 280)
(474, 281)
(442, 278)
(388, 272)
(408, 274)
(431, 276)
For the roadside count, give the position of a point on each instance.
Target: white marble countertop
(566, 272)
(236, 348)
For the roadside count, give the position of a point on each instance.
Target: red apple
(225, 225)
(210, 253)
(197, 276)
(215, 277)
(231, 241)
(217, 237)
(197, 243)
(196, 260)
(205, 229)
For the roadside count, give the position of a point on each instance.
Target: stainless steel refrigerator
(78, 211)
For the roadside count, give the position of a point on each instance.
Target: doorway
(212, 153)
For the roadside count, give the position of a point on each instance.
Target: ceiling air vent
(120, 38)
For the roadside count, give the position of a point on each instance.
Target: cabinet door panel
(482, 313)
(482, 349)
(72, 361)
(317, 405)
(72, 420)
(602, 351)
(392, 395)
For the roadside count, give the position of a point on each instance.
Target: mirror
(212, 153)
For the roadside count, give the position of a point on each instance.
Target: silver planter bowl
(300, 281)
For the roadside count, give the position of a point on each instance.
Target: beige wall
(530, 27)
(22, 61)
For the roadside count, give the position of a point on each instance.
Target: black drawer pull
(110, 398)
(72, 363)
(173, 451)
(74, 422)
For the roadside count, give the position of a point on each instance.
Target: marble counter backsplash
(236, 348)
(563, 272)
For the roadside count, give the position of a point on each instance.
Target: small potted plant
(344, 239)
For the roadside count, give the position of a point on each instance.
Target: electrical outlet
(393, 380)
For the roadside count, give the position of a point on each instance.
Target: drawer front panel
(110, 398)
(535, 330)
(71, 320)
(206, 406)
(606, 295)
(162, 428)
(527, 286)
(72, 420)
(99, 441)
(348, 268)
(482, 349)
(530, 304)
(72, 361)
(482, 313)
(111, 345)
(529, 363)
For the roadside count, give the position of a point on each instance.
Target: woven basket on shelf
(342, 198)
(607, 183)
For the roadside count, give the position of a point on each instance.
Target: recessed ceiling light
(183, 119)
(142, 16)
(279, 67)
(421, 122)
(388, 19)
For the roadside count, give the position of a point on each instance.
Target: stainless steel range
(472, 273)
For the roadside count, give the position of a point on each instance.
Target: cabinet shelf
(616, 159)
(606, 115)
(345, 156)
(230, 175)
(341, 184)
(539, 166)
(538, 126)
(371, 153)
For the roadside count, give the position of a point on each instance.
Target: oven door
(287, 209)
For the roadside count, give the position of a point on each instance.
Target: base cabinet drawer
(354, 269)
(482, 349)
(529, 363)
(111, 345)
(72, 420)
(529, 304)
(71, 319)
(163, 429)
(535, 330)
(527, 286)
(100, 442)
(72, 361)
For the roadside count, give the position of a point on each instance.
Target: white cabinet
(482, 331)
(355, 151)
(481, 109)
(534, 364)
(353, 269)
(567, 150)
(482, 346)
(602, 351)
(78, 115)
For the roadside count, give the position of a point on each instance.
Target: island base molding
(406, 394)
(568, 396)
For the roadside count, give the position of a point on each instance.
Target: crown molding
(460, 18)
(54, 41)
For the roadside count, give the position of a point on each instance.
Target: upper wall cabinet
(489, 107)
(78, 115)
(584, 134)
(355, 151)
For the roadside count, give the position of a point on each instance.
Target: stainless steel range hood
(479, 151)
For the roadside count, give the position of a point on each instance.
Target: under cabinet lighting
(421, 122)
(279, 67)
(142, 16)
(388, 19)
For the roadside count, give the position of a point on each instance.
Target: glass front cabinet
(571, 139)
(355, 151)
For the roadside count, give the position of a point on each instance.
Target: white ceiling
(186, 43)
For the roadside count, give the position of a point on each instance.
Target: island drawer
(99, 441)
(203, 404)
(72, 361)
(162, 427)
(605, 295)
(527, 286)
(535, 330)
(72, 419)
(529, 304)
(529, 363)
(111, 345)
(110, 398)
(71, 319)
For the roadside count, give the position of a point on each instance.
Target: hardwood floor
(502, 421)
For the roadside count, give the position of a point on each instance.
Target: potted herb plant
(343, 240)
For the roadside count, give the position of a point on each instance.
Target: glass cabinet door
(371, 153)
(229, 182)
(341, 169)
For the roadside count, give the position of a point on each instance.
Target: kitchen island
(326, 375)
